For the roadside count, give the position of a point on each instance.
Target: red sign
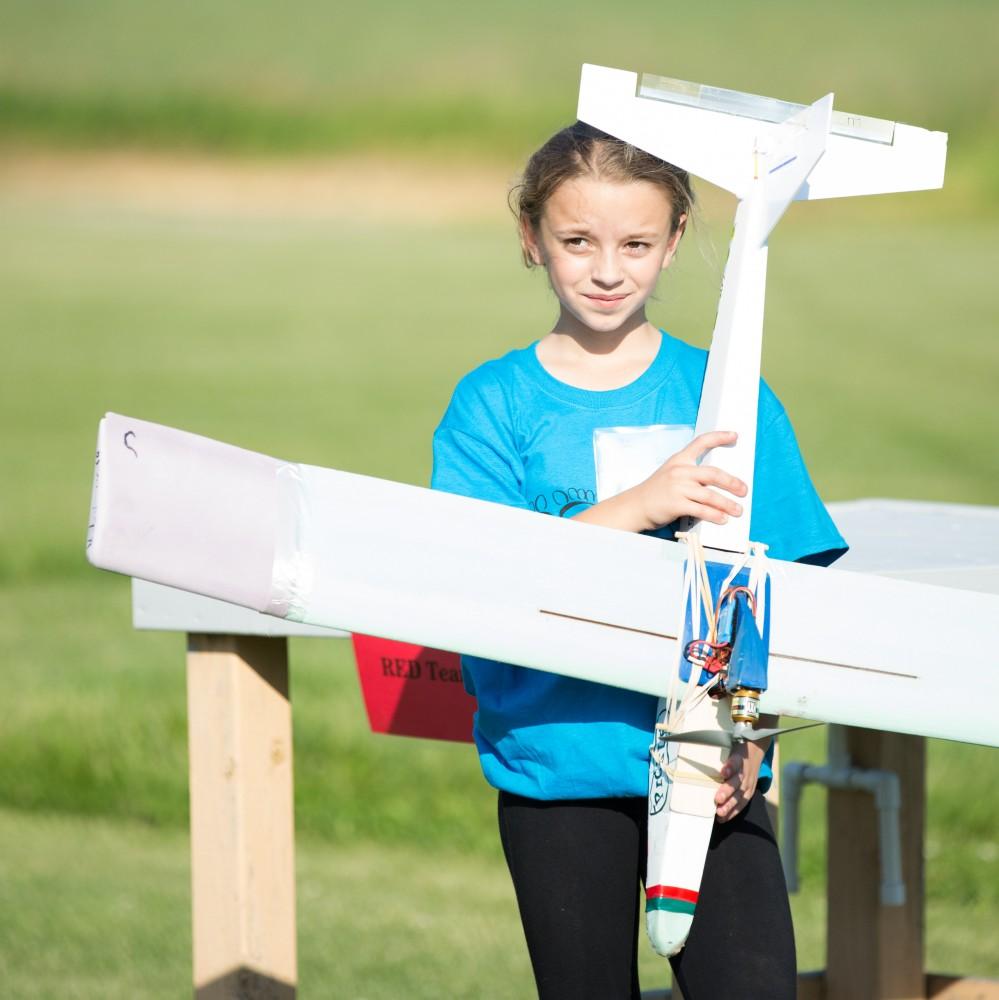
(411, 690)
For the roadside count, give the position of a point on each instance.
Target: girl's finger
(710, 475)
(711, 498)
(704, 513)
(727, 811)
(704, 443)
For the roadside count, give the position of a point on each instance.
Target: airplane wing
(339, 550)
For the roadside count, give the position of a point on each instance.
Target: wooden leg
(876, 951)
(242, 826)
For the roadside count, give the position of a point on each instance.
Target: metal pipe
(882, 785)
(792, 780)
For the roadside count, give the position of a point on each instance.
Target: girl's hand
(739, 776)
(682, 488)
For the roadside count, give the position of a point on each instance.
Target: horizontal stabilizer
(696, 140)
(712, 133)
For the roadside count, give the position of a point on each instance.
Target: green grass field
(99, 909)
(478, 78)
(337, 342)
(333, 334)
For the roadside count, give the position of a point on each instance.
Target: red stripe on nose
(670, 892)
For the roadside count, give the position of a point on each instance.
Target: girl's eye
(576, 242)
(637, 245)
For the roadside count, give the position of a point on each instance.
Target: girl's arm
(740, 774)
(678, 488)
(682, 488)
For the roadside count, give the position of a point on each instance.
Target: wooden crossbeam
(812, 986)
(960, 988)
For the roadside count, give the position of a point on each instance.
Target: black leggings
(576, 867)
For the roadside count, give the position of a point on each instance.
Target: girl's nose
(607, 269)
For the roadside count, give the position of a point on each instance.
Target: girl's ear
(529, 243)
(674, 240)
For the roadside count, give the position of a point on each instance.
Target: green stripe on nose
(672, 905)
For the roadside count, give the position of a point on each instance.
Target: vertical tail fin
(797, 147)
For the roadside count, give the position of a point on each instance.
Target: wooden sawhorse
(243, 846)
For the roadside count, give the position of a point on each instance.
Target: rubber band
(692, 777)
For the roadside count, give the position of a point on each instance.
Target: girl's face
(604, 245)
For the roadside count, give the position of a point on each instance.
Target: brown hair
(582, 150)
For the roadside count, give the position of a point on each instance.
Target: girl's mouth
(605, 300)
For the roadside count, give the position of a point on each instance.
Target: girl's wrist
(626, 511)
(640, 497)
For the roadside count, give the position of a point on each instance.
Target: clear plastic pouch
(626, 456)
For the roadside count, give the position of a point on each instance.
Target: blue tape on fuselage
(750, 650)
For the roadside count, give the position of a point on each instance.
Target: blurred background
(286, 227)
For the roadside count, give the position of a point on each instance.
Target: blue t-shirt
(514, 434)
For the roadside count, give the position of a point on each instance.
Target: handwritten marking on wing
(777, 656)
(846, 666)
(595, 621)
(790, 159)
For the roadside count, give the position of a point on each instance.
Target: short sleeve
(475, 453)
(788, 514)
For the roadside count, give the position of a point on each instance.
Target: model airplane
(306, 543)
(767, 153)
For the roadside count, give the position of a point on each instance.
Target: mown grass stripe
(193, 120)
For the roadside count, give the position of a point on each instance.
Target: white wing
(407, 563)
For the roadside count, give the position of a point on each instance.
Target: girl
(569, 757)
